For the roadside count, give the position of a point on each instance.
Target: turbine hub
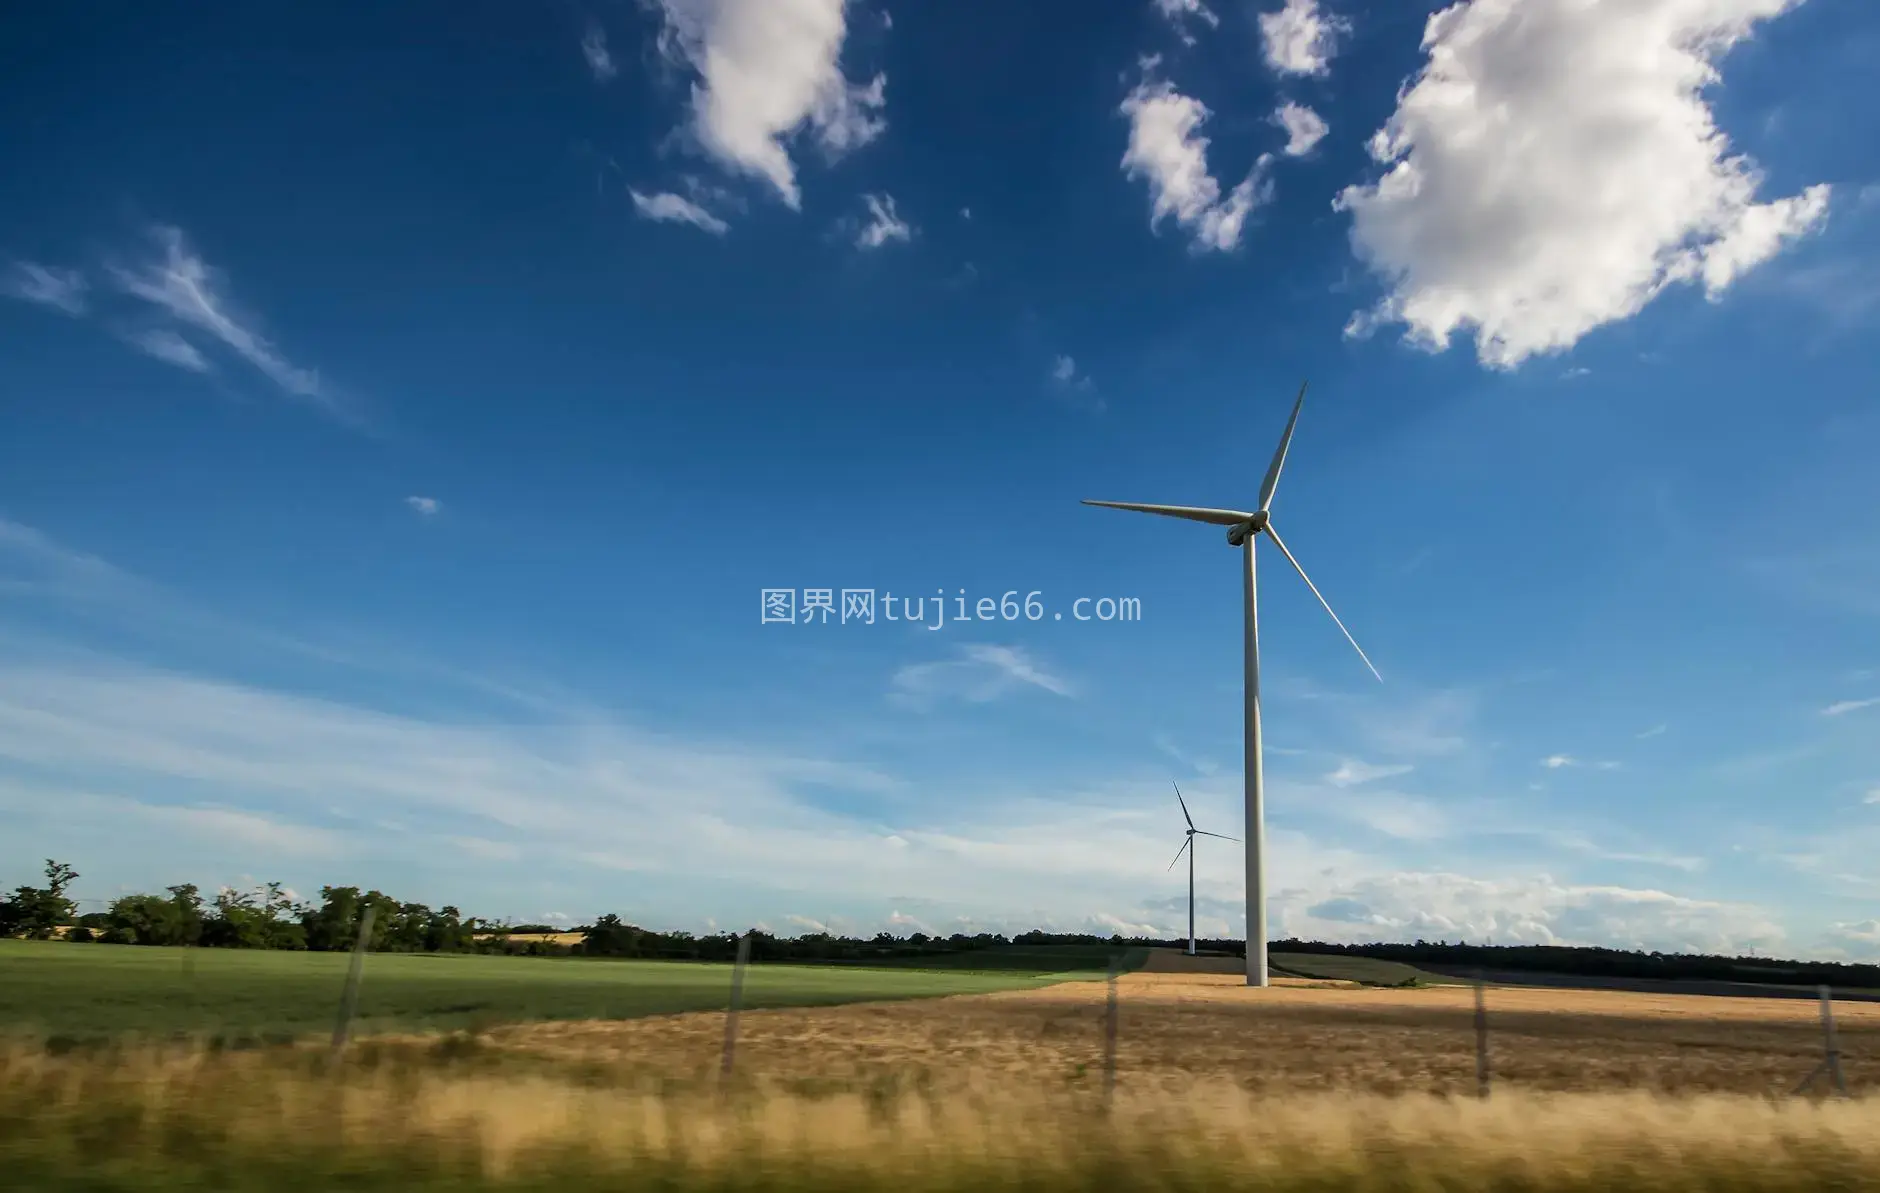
(1240, 532)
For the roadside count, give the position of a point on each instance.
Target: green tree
(37, 912)
(155, 920)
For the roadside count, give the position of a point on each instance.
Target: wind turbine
(1243, 527)
(1188, 844)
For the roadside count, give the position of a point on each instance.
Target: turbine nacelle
(1255, 523)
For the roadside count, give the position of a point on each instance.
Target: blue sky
(404, 410)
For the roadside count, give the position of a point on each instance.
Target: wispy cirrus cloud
(1841, 708)
(669, 208)
(1352, 771)
(594, 50)
(180, 773)
(50, 286)
(165, 345)
(978, 673)
(180, 284)
(883, 225)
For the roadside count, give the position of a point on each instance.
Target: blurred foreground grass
(449, 1114)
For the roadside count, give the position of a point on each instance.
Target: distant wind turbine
(1242, 529)
(1188, 845)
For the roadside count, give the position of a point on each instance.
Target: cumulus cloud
(1300, 39)
(979, 673)
(1440, 906)
(1304, 128)
(1167, 150)
(1554, 167)
(181, 284)
(165, 345)
(1179, 12)
(769, 70)
(884, 223)
(668, 208)
(1557, 761)
(62, 290)
(426, 507)
(599, 59)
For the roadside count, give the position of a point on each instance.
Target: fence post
(737, 998)
(1109, 1034)
(1830, 1050)
(1481, 1036)
(349, 1001)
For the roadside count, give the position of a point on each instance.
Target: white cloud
(1873, 797)
(427, 507)
(1300, 39)
(1304, 128)
(1166, 149)
(883, 225)
(1554, 167)
(769, 69)
(1351, 771)
(62, 290)
(165, 775)
(667, 207)
(978, 674)
(594, 49)
(118, 753)
(1530, 911)
(165, 345)
(184, 286)
(1064, 372)
(966, 213)
(1556, 761)
(1179, 12)
(1654, 731)
(1841, 708)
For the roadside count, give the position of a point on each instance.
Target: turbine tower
(1243, 527)
(1188, 844)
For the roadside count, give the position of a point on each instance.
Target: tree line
(1596, 962)
(270, 918)
(265, 918)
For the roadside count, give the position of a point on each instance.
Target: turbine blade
(1184, 803)
(1221, 836)
(1194, 513)
(1186, 842)
(1328, 605)
(1279, 457)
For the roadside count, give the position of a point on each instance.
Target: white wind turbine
(1188, 845)
(1242, 529)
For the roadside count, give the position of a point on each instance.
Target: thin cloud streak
(50, 286)
(181, 284)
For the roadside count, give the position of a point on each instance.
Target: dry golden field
(1176, 1029)
(1307, 1085)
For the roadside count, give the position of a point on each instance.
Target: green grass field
(92, 990)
